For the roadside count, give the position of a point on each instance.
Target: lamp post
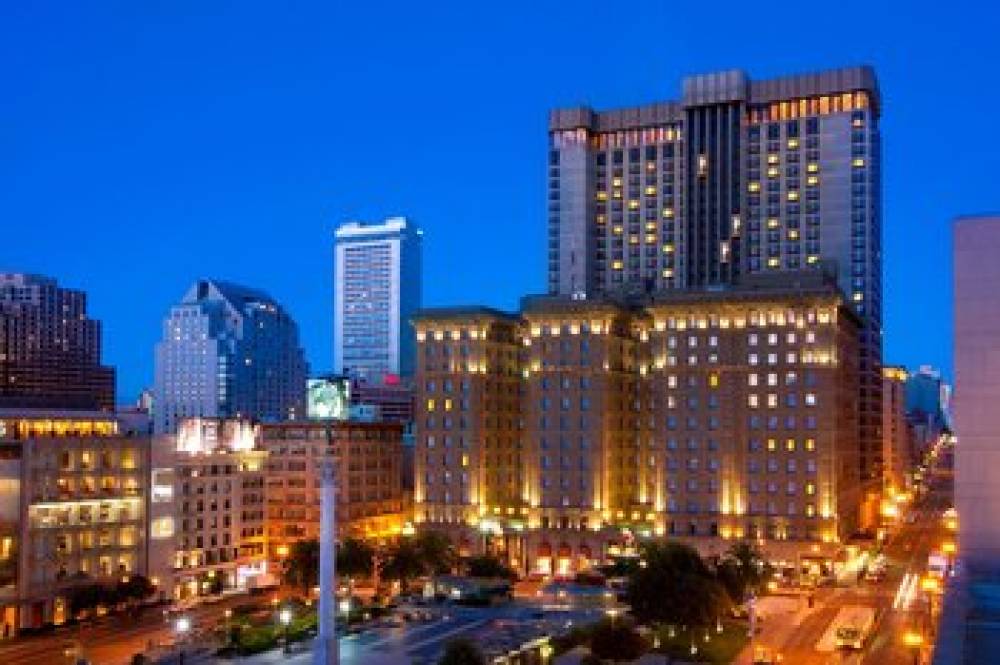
(285, 616)
(182, 626)
(914, 641)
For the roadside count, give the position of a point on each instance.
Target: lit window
(772, 158)
(617, 265)
(858, 162)
(793, 195)
(812, 167)
(754, 186)
(793, 144)
(810, 444)
(752, 401)
(810, 399)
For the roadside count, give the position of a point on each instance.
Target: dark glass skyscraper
(50, 351)
(736, 177)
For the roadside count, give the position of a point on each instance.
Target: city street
(112, 641)
(804, 635)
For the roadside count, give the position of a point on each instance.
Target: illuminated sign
(328, 399)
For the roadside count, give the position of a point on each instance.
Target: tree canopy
(674, 585)
(462, 652)
(742, 570)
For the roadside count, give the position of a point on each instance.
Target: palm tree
(742, 570)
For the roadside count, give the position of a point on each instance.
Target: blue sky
(144, 145)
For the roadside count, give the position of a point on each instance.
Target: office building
(736, 177)
(566, 432)
(977, 418)
(377, 288)
(897, 442)
(220, 541)
(228, 352)
(392, 398)
(50, 350)
(369, 495)
(73, 510)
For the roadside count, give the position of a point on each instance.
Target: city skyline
(311, 182)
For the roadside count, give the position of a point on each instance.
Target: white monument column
(326, 650)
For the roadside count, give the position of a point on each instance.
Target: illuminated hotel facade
(73, 510)
(370, 498)
(560, 435)
(737, 177)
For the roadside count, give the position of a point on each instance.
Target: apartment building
(220, 538)
(50, 349)
(73, 509)
(566, 433)
(367, 459)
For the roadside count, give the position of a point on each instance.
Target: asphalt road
(796, 632)
(113, 641)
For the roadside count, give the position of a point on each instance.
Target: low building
(73, 510)
(564, 434)
(220, 539)
(368, 456)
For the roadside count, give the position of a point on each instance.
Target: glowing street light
(182, 626)
(285, 617)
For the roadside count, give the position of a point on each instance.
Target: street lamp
(914, 641)
(182, 626)
(285, 616)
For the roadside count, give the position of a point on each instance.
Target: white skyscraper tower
(377, 288)
(228, 351)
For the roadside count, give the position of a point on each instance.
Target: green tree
(405, 563)
(87, 597)
(301, 567)
(354, 558)
(462, 652)
(487, 566)
(436, 551)
(135, 588)
(674, 585)
(742, 570)
(616, 640)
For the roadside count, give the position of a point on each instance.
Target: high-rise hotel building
(377, 288)
(736, 177)
(562, 434)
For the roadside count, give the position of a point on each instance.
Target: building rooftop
(721, 87)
